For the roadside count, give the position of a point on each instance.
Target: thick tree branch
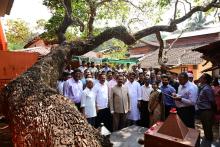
(92, 14)
(196, 9)
(122, 34)
(160, 54)
(67, 21)
(152, 30)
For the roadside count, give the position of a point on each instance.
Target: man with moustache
(102, 103)
(134, 92)
(119, 104)
(73, 88)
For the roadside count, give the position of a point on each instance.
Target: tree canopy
(94, 22)
(18, 33)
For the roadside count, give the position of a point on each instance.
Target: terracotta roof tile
(40, 50)
(174, 57)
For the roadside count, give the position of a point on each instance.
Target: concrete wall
(196, 69)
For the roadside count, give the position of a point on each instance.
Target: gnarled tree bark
(38, 115)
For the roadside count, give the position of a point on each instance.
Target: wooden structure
(211, 52)
(142, 47)
(13, 64)
(181, 56)
(5, 7)
(3, 41)
(172, 132)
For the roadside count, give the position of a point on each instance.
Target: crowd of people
(123, 96)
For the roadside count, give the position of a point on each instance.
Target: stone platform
(128, 137)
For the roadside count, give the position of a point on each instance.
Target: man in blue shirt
(167, 91)
(206, 105)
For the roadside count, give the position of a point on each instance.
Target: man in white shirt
(106, 68)
(185, 100)
(139, 69)
(83, 66)
(61, 81)
(143, 103)
(112, 82)
(93, 69)
(73, 88)
(134, 91)
(88, 103)
(102, 103)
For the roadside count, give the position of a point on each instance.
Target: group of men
(120, 98)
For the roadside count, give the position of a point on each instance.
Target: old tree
(37, 114)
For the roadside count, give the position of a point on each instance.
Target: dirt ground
(215, 129)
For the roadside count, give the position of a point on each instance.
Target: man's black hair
(208, 78)
(184, 75)
(77, 70)
(165, 76)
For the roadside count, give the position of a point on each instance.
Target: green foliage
(163, 3)
(80, 9)
(199, 21)
(114, 48)
(18, 33)
(115, 12)
(51, 26)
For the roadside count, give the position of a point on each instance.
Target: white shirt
(101, 95)
(112, 83)
(82, 68)
(139, 70)
(60, 86)
(120, 70)
(93, 69)
(68, 71)
(189, 95)
(88, 102)
(145, 92)
(73, 90)
(134, 92)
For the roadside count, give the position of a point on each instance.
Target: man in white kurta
(102, 103)
(134, 91)
(88, 102)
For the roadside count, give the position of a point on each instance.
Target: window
(184, 69)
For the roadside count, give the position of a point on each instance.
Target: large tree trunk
(38, 115)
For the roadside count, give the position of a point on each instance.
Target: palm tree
(198, 22)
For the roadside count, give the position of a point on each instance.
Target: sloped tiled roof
(210, 30)
(189, 57)
(40, 50)
(91, 54)
(142, 43)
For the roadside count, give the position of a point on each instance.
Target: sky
(28, 10)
